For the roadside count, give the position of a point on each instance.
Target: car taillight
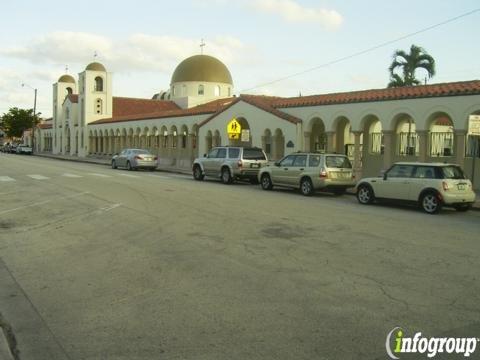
(138, 157)
(445, 185)
(323, 174)
(239, 163)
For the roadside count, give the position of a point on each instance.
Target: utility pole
(34, 113)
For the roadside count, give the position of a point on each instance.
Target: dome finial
(202, 45)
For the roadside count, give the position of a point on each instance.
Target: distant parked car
(230, 163)
(309, 172)
(429, 185)
(24, 149)
(133, 159)
(13, 148)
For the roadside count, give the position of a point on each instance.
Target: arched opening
(208, 141)
(318, 138)
(406, 136)
(278, 145)
(217, 138)
(174, 134)
(201, 89)
(130, 138)
(267, 143)
(374, 140)
(164, 133)
(69, 90)
(184, 137)
(217, 90)
(344, 137)
(98, 83)
(245, 136)
(68, 140)
(441, 136)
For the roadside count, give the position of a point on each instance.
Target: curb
(8, 342)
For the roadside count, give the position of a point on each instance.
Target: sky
(141, 42)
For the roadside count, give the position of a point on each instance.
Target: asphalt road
(98, 263)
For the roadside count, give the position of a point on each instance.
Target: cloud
(138, 52)
(293, 12)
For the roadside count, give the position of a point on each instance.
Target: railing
(407, 144)
(376, 143)
(441, 144)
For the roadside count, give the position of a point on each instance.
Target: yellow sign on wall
(234, 129)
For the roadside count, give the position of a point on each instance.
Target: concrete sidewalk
(170, 169)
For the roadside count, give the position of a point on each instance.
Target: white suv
(430, 185)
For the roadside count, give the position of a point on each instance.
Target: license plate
(254, 165)
(461, 186)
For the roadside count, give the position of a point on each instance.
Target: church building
(373, 127)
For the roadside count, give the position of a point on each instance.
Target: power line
(366, 50)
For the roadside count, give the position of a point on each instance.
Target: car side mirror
(384, 176)
(205, 156)
(276, 163)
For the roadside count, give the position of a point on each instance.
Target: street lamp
(34, 111)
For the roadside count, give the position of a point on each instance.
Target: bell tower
(65, 86)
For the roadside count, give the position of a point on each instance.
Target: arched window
(184, 90)
(229, 91)
(98, 106)
(98, 84)
(217, 90)
(184, 139)
(201, 89)
(69, 90)
(174, 91)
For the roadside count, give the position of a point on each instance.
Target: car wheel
(226, 177)
(129, 166)
(430, 203)
(197, 173)
(306, 187)
(266, 182)
(365, 195)
(463, 208)
(114, 165)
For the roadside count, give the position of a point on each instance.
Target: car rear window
(338, 162)
(253, 154)
(452, 172)
(140, 152)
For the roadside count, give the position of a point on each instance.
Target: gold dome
(202, 68)
(95, 66)
(66, 79)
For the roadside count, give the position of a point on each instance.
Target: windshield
(253, 154)
(338, 162)
(452, 172)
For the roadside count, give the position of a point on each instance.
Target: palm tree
(418, 58)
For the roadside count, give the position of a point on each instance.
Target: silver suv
(230, 163)
(309, 172)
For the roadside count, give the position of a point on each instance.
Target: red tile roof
(168, 110)
(44, 126)
(401, 93)
(127, 109)
(123, 106)
(261, 102)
